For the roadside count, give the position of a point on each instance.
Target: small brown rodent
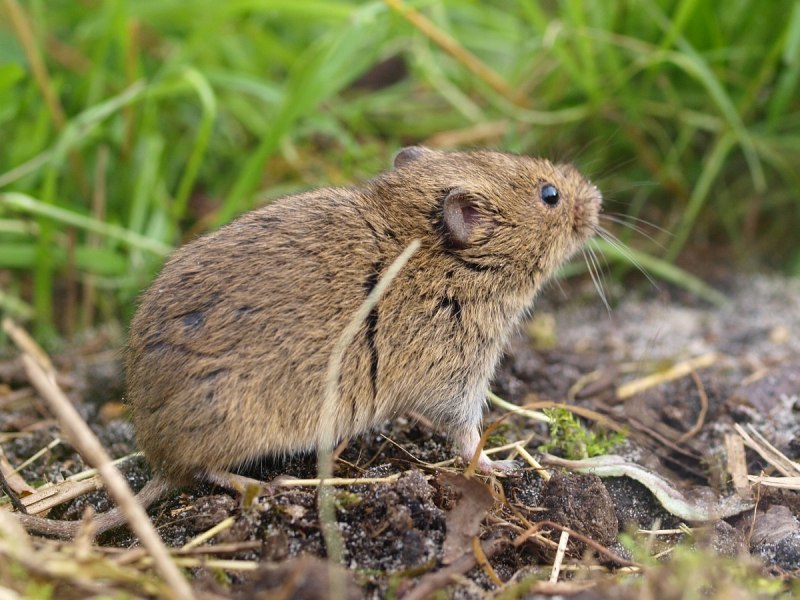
(229, 348)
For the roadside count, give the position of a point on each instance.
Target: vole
(229, 347)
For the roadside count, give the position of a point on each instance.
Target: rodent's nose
(585, 213)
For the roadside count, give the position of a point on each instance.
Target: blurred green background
(127, 127)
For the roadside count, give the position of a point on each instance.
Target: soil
(423, 530)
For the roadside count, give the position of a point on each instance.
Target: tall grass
(686, 113)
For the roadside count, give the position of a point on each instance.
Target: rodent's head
(498, 211)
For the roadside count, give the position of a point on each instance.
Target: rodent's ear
(460, 217)
(409, 154)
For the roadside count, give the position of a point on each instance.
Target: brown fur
(229, 348)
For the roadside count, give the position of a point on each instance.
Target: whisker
(603, 266)
(625, 251)
(633, 227)
(557, 282)
(638, 220)
(591, 266)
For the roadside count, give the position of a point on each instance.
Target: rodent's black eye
(549, 194)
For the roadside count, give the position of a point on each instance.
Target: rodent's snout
(586, 201)
(586, 210)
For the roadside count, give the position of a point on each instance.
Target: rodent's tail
(111, 519)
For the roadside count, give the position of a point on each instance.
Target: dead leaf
(773, 526)
(473, 500)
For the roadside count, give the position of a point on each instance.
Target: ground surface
(401, 536)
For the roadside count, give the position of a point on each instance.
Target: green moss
(568, 438)
(347, 500)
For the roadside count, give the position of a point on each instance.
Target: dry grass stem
(562, 550)
(676, 371)
(788, 483)
(24, 32)
(517, 410)
(736, 464)
(483, 561)
(543, 473)
(90, 448)
(768, 452)
(454, 49)
(37, 455)
(489, 451)
(207, 535)
(335, 481)
(86, 474)
(26, 344)
(327, 433)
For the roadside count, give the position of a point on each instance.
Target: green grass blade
(324, 69)
(208, 102)
(712, 167)
(30, 205)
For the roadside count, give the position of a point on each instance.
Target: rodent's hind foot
(504, 465)
(487, 465)
(469, 442)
